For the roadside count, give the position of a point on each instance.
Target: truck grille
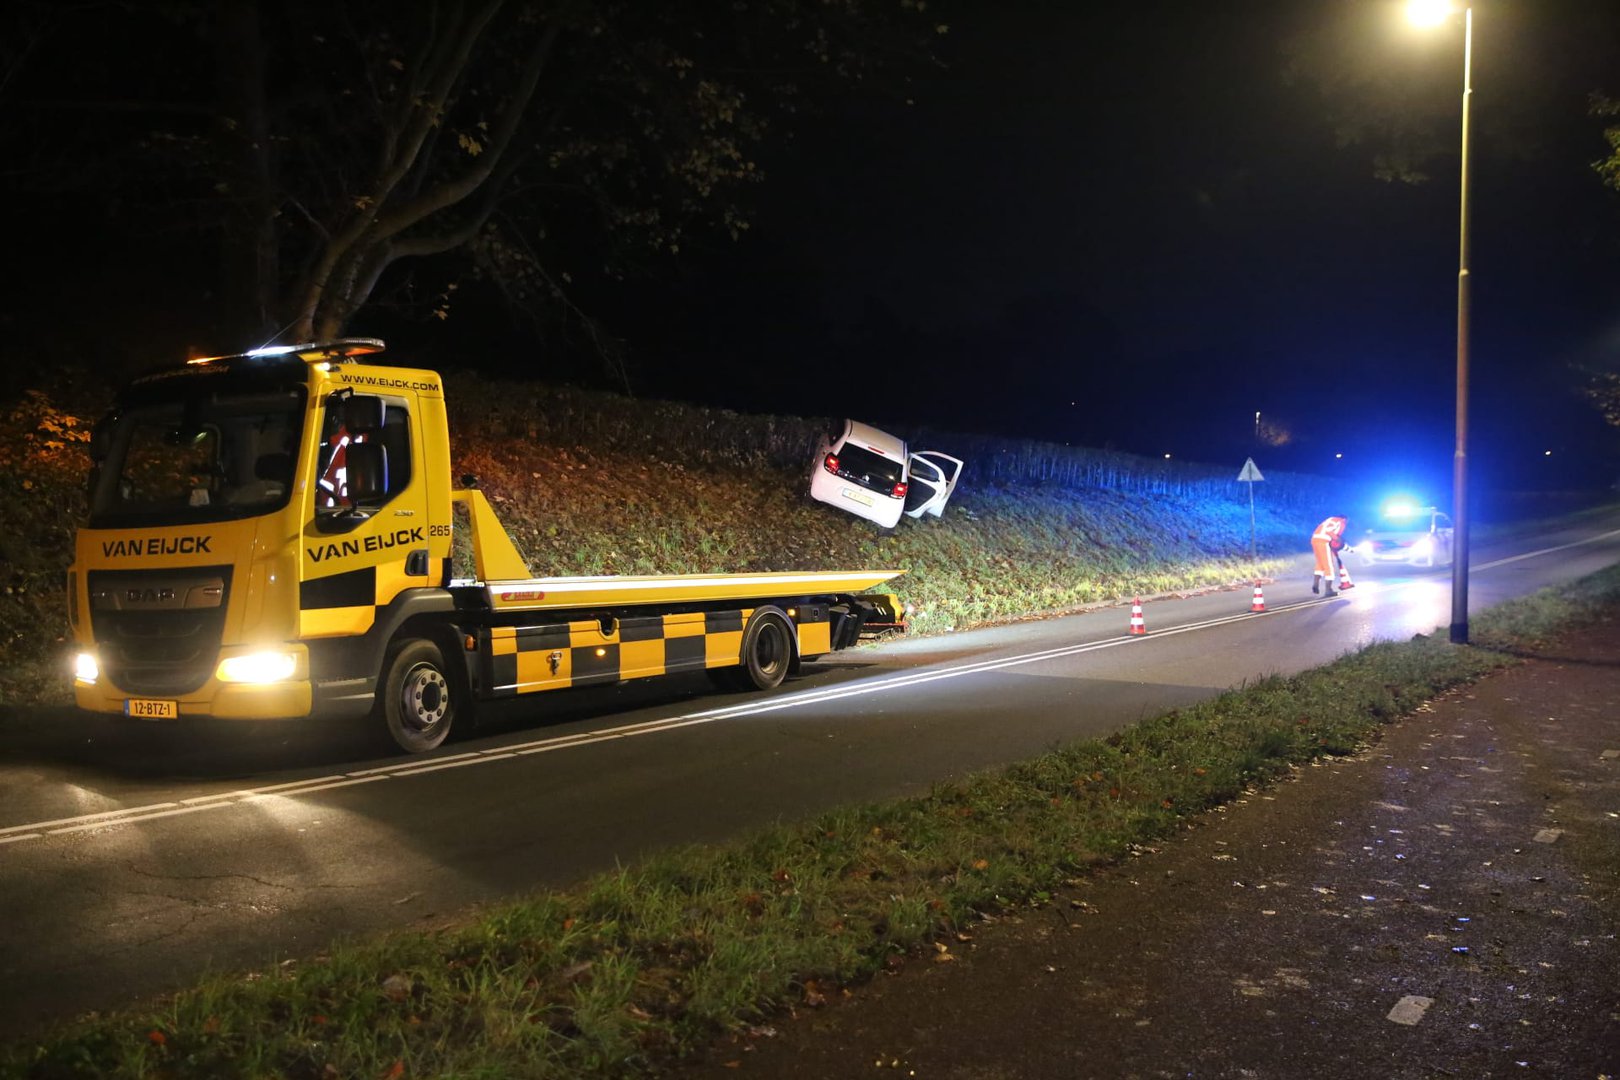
(158, 631)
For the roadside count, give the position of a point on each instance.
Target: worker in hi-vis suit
(1326, 542)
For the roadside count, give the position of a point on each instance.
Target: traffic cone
(1259, 603)
(1344, 579)
(1138, 624)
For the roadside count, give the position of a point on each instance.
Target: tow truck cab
(294, 478)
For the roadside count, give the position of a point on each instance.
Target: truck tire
(767, 653)
(417, 697)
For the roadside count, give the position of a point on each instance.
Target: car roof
(876, 439)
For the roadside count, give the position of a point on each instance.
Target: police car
(1415, 536)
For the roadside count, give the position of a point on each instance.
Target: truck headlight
(85, 668)
(272, 665)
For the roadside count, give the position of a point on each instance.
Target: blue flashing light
(1401, 509)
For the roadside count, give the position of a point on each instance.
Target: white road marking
(81, 817)
(415, 767)
(324, 784)
(452, 763)
(136, 816)
(1544, 551)
(395, 767)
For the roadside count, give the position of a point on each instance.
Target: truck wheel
(418, 700)
(767, 653)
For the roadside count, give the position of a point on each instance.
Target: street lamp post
(1459, 461)
(1429, 13)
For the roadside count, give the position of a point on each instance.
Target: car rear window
(873, 471)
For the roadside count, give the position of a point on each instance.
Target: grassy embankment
(631, 970)
(593, 484)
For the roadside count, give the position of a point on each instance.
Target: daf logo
(148, 596)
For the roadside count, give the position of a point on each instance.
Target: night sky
(1109, 225)
(1122, 226)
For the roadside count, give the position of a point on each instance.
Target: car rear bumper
(880, 509)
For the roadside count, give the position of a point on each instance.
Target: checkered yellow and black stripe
(587, 652)
(346, 604)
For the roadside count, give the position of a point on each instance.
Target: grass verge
(632, 970)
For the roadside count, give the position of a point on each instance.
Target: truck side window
(331, 483)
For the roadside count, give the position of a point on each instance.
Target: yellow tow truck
(270, 536)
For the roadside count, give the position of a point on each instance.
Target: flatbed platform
(617, 591)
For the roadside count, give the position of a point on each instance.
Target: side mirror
(101, 438)
(366, 466)
(363, 414)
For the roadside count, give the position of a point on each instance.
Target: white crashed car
(871, 474)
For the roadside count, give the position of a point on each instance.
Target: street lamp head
(1430, 12)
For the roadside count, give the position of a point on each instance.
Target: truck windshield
(197, 458)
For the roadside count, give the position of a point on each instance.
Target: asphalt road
(134, 856)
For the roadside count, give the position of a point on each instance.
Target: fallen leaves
(397, 987)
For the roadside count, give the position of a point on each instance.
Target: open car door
(1444, 539)
(933, 478)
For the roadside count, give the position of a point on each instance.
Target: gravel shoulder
(1444, 903)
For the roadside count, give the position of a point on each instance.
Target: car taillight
(830, 463)
(899, 491)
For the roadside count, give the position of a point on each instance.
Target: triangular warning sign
(1250, 473)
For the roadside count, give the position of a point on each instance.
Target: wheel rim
(770, 648)
(425, 700)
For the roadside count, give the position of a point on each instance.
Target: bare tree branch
(426, 114)
(455, 191)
